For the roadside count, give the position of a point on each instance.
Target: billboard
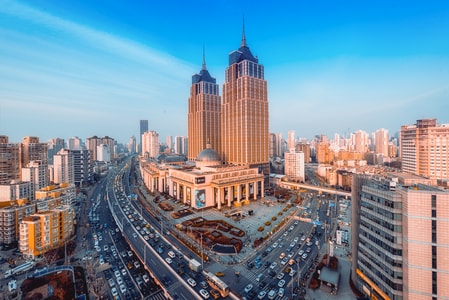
(200, 198)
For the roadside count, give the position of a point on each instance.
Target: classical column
(255, 189)
(262, 189)
(184, 194)
(239, 193)
(247, 191)
(219, 198)
(230, 195)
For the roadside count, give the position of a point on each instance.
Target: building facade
(45, 231)
(400, 237)
(143, 128)
(424, 149)
(244, 118)
(294, 165)
(63, 167)
(204, 113)
(82, 167)
(150, 144)
(9, 160)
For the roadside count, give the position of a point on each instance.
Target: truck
(195, 265)
(19, 269)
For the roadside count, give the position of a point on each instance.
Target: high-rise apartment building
(169, 142)
(9, 160)
(82, 167)
(37, 174)
(103, 153)
(275, 145)
(244, 118)
(74, 143)
(305, 148)
(54, 145)
(44, 231)
(381, 142)
(400, 237)
(180, 145)
(92, 144)
(143, 129)
(204, 113)
(132, 145)
(150, 144)
(291, 140)
(63, 169)
(424, 149)
(294, 165)
(32, 149)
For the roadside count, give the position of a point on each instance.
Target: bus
(217, 284)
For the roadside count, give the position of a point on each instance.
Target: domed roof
(208, 155)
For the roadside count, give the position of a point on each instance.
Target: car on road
(114, 292)
(122, 288)
(273, 265)
(191, 282)
(248, 288)
(292, 272)
(111, 282)
(219, 274)
(145, 278)
(284, 261)
(301, 252)
(119, 280)
(214, 294)
(204, 293)
(272, 294)
(304, 256)
(280, 275)
(117, 273)
(281, 283)
(124, 272)
(105, 248)
(168, 260)
(281, 292)
(296, 239)
(261, 294)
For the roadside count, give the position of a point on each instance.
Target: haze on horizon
(84, 68)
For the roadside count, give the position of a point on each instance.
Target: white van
(171, 254)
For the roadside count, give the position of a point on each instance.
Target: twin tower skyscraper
(236, 124)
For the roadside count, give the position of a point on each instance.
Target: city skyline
(70, 70)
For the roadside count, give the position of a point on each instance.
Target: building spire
(203, 67)
(243, 44)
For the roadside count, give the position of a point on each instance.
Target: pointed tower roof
(204, 73)
(243, 43)
(243, 53)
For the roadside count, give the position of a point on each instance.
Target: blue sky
(83, 68)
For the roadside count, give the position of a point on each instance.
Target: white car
(168, 260)
(191, 282)
(248, 288)
(114, 292)
(204, 293)
(281, 283)
(281, 292)
(261, 294)
(122, 288)
(273, 265)
(119, 280)
(280, 275)
(117, 273)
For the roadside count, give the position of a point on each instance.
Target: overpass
(297, 186)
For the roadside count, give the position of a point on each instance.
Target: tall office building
(143, 129)
(169, 142)
(132, 145)
(399, 237)
(244, 118)
(203, 113)
(424, 149)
